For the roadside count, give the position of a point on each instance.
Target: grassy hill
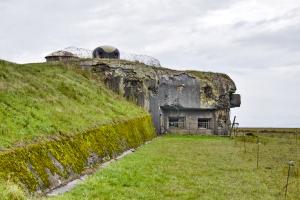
(43, 99)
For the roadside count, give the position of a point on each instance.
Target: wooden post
(257, 155)
(290, 163)
(244, 143)
(232, 125)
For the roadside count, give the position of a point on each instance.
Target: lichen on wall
(47, 164)
(215, 89)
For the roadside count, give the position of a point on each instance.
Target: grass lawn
(197, 167)
(45, 99)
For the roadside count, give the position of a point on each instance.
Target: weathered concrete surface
(153, 88)
(191, 120)
(180, 90)
(235, 100)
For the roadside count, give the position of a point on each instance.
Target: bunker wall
(49, 163)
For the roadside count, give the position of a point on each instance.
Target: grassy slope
(43, 99)
(195, 167)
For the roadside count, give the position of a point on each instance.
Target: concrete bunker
(181, 101)
(178, 101)
(61, 56)
(179, 107)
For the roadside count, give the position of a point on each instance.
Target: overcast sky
(256, 42)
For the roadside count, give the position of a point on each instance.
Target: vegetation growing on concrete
(66, 156)
(197, 167)
(214, 86)
(145, 85)
(46, 99)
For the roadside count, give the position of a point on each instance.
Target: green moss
(72, 152)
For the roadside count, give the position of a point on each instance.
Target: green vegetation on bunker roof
(45, 99)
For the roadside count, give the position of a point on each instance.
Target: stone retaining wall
(45, 165)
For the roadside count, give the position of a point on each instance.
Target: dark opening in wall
(204, 123)
(176, 122)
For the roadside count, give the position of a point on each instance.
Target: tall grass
(46, 99)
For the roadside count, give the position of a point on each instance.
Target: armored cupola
(106, 52)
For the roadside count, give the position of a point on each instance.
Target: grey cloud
(39, 26)
(170, 30)
(288, 39)
(260, 23)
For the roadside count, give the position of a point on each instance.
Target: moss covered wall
(47, 164)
